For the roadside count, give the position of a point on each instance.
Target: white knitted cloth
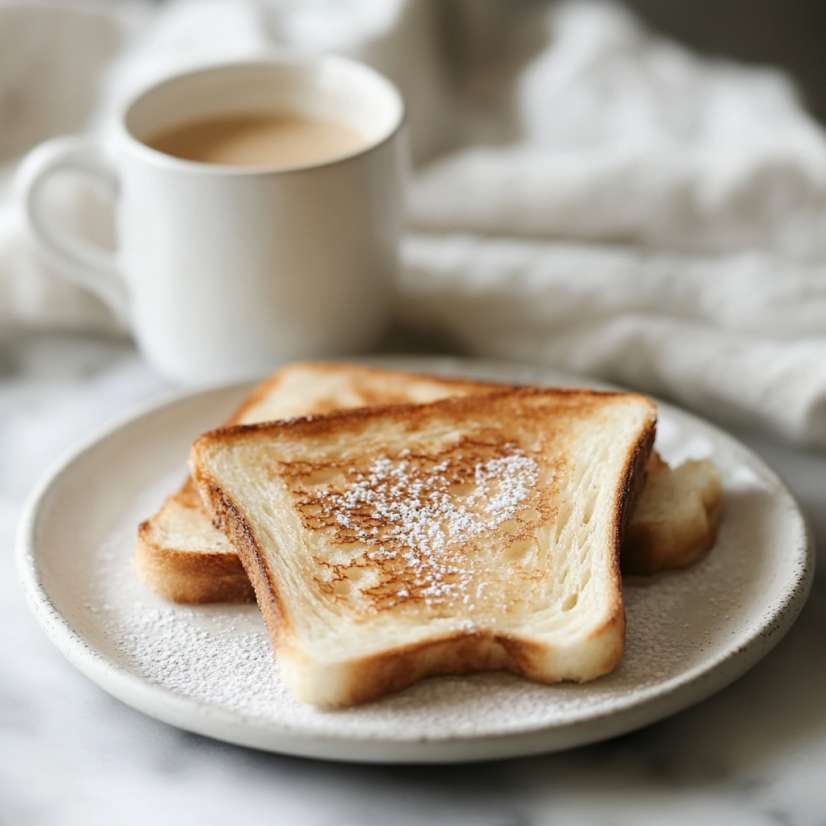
(587, 193)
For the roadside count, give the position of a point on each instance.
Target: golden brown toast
(478, 533)
(676, 518)
(183, 557)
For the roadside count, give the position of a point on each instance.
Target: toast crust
(190, 576)
(370, 677)
(633, 482)
(329, 423)
(363, 378)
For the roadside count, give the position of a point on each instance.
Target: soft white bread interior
(389, 544)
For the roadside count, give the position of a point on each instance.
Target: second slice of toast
(390, 544)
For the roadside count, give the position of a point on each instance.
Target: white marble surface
(69, 754)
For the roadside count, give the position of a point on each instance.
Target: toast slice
(184, 558)
(676, 519)
(390, 544)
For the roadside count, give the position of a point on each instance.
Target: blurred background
(635, 192)
(760, 33)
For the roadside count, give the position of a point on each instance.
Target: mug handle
(85, 264)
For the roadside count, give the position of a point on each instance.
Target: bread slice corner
(183, 557)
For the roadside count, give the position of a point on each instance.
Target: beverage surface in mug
(259, 140)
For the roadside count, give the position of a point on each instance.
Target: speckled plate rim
(642, 708)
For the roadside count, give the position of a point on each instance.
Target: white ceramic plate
(208, 669)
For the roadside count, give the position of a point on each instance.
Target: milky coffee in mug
(282, 139)
(258, 209)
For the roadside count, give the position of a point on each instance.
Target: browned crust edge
(330, 422)
(269, 384)
(457, 653)
(240, 533)
(645, 555)
(190, 577)
(631, 485)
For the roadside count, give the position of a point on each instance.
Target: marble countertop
(70, 754)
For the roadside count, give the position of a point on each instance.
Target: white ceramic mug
(222, 271)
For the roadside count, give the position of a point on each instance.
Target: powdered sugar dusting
(423, 514)
(197, 658)
(418, 514)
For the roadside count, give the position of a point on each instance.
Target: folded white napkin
(587, 193)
